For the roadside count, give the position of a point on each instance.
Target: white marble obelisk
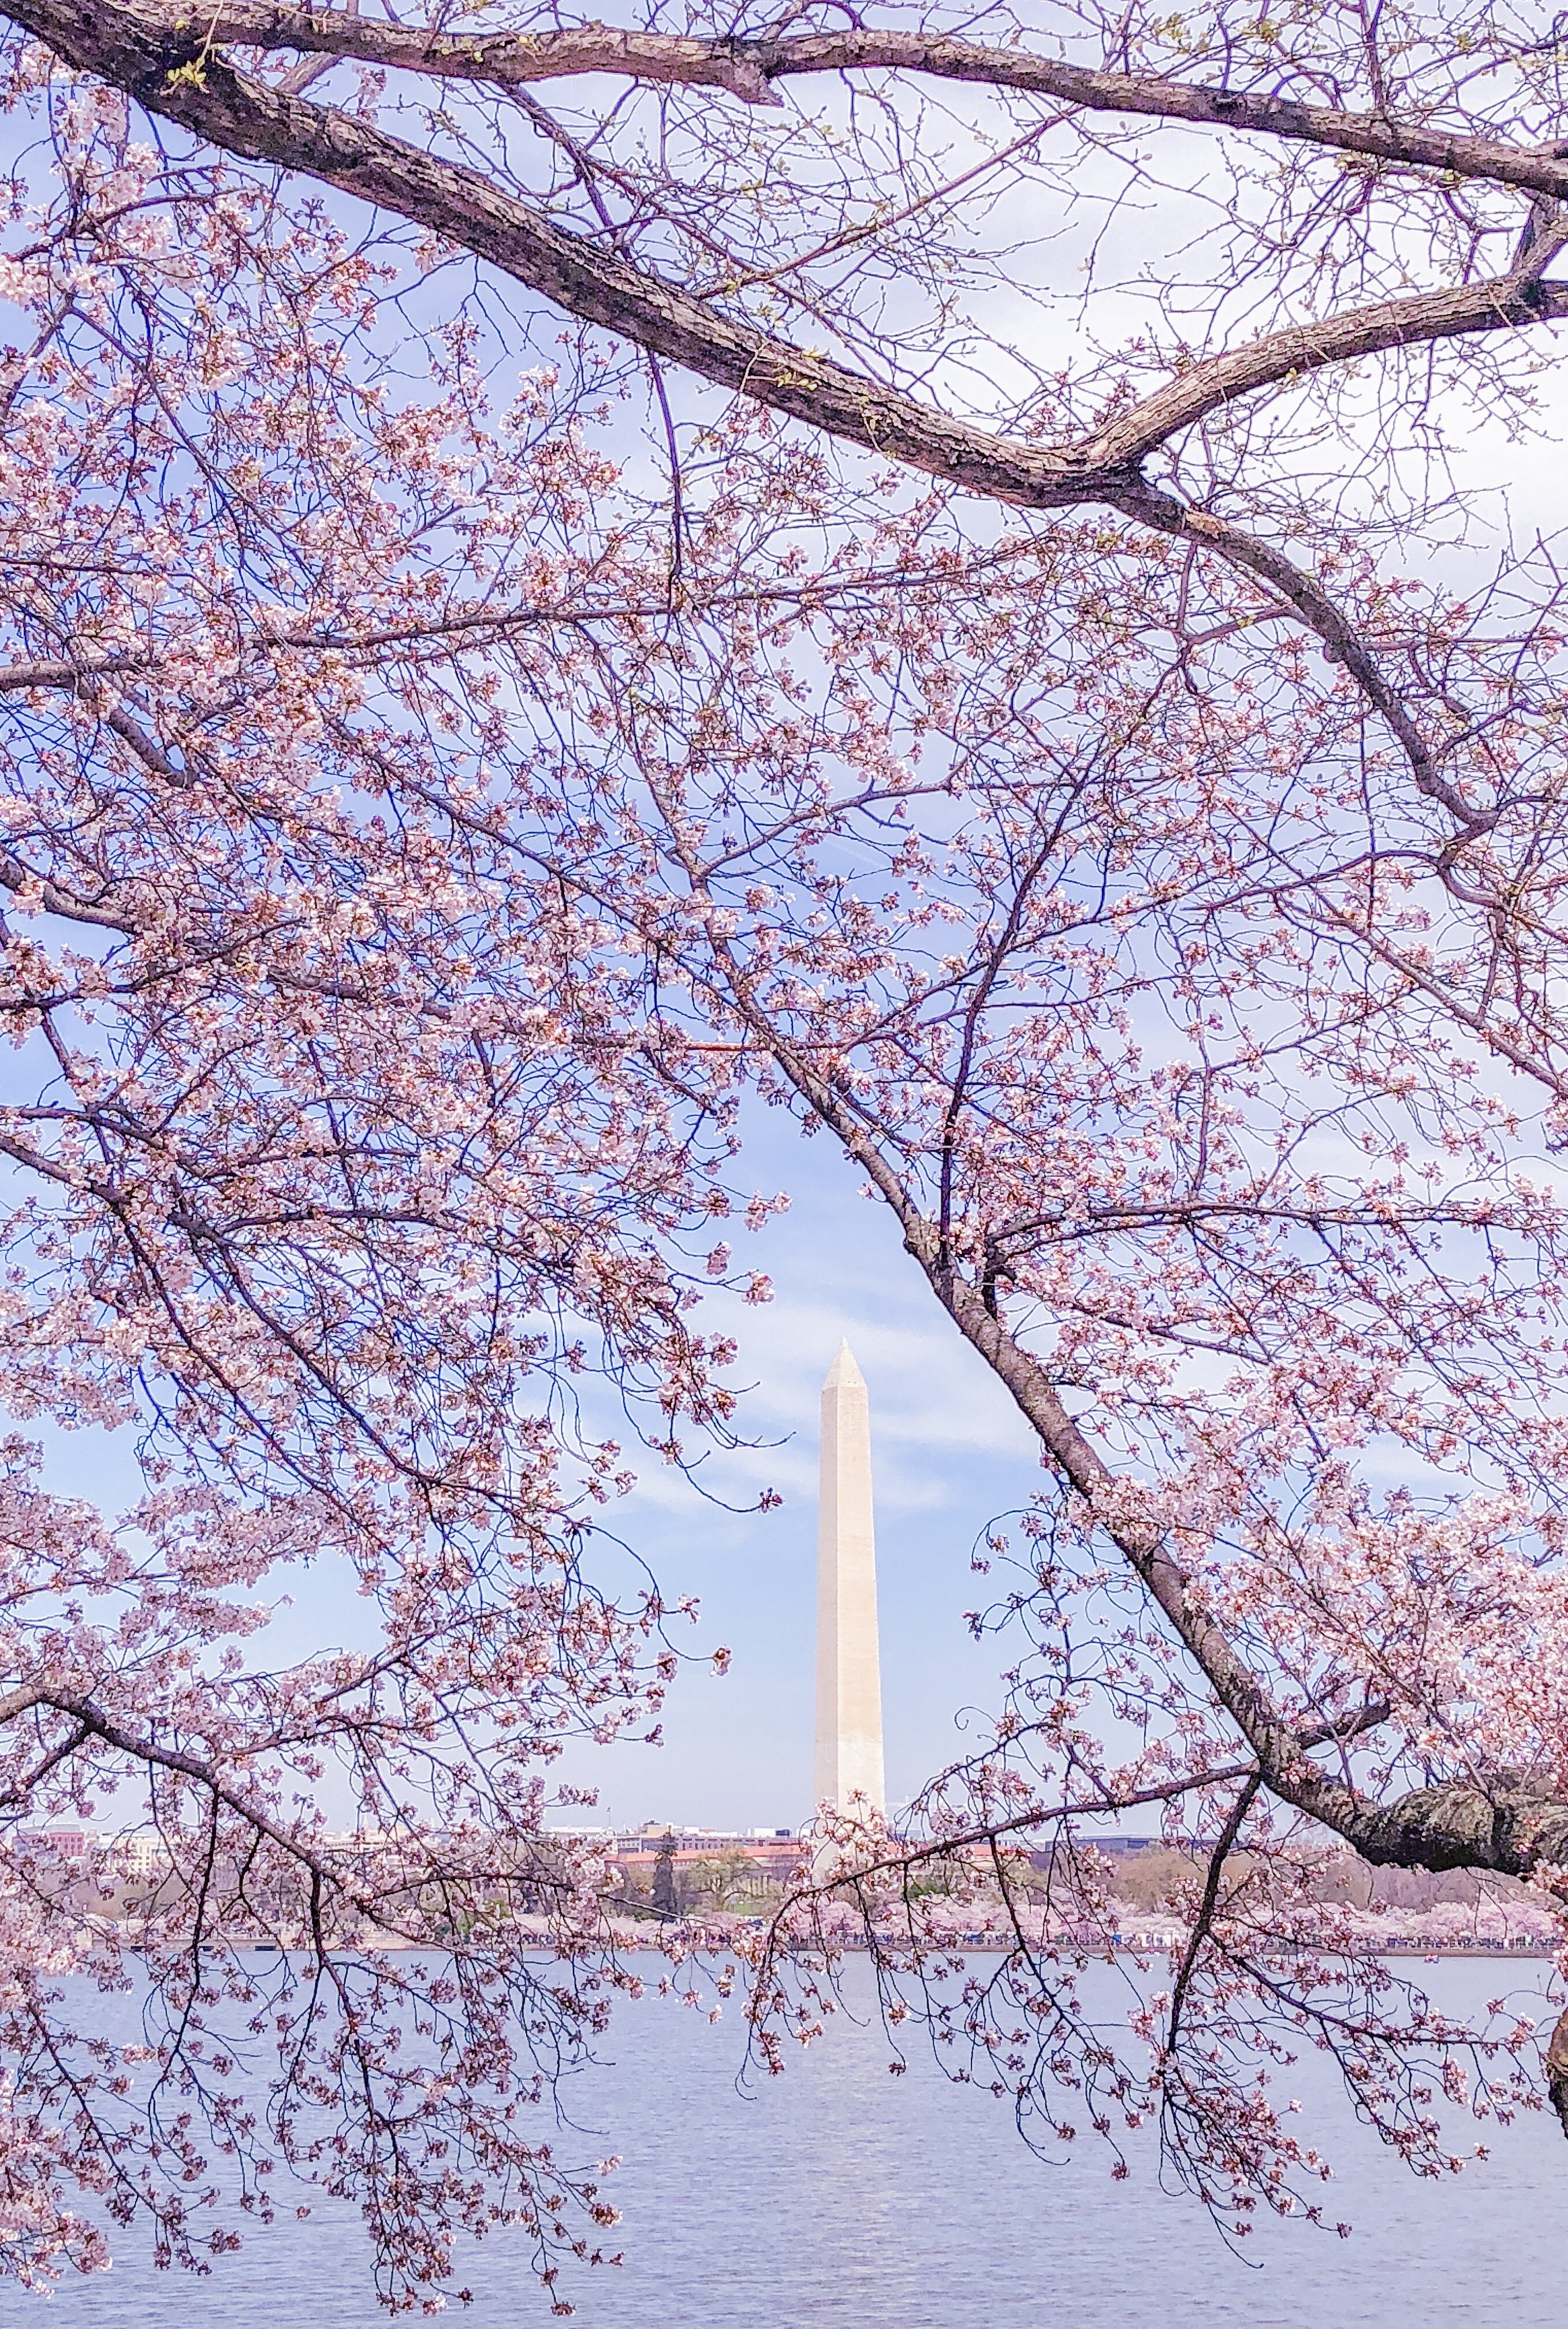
(849, 1758)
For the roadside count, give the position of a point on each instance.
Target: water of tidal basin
(837, 2195)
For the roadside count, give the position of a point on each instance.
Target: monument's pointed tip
(844, 1369)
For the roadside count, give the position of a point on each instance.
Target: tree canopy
(987, 582)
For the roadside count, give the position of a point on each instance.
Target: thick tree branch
(508, 59)
(747, 69)
(1451, 1825)
(1501, 303)
(1541, 169)
(158, 59)
(147, 55)
(1556, 2068)
(144, 53)
(1306, 598)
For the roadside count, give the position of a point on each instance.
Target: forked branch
(158, 58)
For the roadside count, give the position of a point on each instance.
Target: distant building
(141, 1855)
(68, 1842)
(772, 1855)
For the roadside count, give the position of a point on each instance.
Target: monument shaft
(848, 1756)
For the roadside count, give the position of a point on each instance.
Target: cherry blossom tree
(333, 1179)
(927, 573)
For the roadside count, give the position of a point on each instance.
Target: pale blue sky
(949, 1452)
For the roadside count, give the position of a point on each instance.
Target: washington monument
(849, 1758)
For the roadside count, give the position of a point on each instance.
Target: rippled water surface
(837, 2195)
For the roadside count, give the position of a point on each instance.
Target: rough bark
(1453, 1826)
(156, 56)
(1557, 2070)
(747, 69)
